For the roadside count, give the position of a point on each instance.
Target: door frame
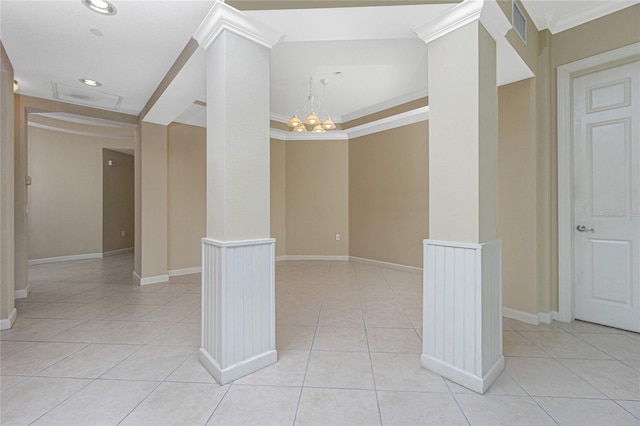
(565, 75)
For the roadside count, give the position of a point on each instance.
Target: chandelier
(311, 110)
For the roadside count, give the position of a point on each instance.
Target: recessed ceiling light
(101, 6)
(96, 32)
(90, 82)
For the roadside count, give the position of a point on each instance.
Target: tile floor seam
(598, 349)
(532, 342)
(61, 402)
(625, 409)
(306, 369)
(218, 404)
(453, 395)
(373, 375)
(140, 402)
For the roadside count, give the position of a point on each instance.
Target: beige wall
(117, 201)
(517, 209)
(278, 195)
(23, 107)
(65, 197)
(153, 201)
(186, 197)
(317, 197)
(388, 194)
(7, 265)
(601, 35)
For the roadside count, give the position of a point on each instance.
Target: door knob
(583, 228)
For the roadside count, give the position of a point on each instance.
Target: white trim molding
(117, 252)
(65, 258)
(312, 257)
(7, 323)
(403, 119)
(462, 321)
(185, 271)
(565, 75)
(529, 318)
(391, 103)
(396, 266)
(157, 279)
(462, 14)
(238, 307)
(223, 17)
(22, 293)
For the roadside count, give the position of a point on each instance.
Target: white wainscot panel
(238, 307)
(463, 312)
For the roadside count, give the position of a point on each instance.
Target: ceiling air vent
(89, 97)
(519, 22)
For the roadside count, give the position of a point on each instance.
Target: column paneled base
(238, 307)
(462, 327)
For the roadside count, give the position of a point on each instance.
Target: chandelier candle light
(311, 109)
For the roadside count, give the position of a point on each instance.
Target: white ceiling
(50, 46)
(50, 42)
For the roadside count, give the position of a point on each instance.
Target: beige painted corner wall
(186, 198)
(516, 194)
(317, 197)
(278, 195)
(153, 201)
(117, 201)
(7, 265)
(388, 194)
(610, 32)
(65, 197)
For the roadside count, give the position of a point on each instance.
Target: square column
(238, 256)
(462, 259)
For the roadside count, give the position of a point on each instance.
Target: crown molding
(280, 118)
(398, 120)
(78, 132)
(545, 20)
(334, 135)
(459, 16)
(223, 17)
(587, 14)
(486, 11)
(391, 103)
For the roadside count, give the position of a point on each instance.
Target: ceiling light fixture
(311, 110)
(15, 86)
(89, 82)
(101, 6)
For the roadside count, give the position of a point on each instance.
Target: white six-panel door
(606, 204)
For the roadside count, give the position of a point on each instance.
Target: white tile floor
(90, 348)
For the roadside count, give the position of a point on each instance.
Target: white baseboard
(520, 316)
(311, 257)
(7, 323)
(239, 369)
(462, 377)
(21, 294)
(65, 258)
(185, 271)
(116, 252)
(533, 319)
(389, 265)
(150, 280)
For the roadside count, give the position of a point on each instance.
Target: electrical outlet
(337, 237)
(124, 233)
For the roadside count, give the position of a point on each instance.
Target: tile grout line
(304, 377)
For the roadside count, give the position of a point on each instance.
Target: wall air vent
(519, 22)
(89, 97)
